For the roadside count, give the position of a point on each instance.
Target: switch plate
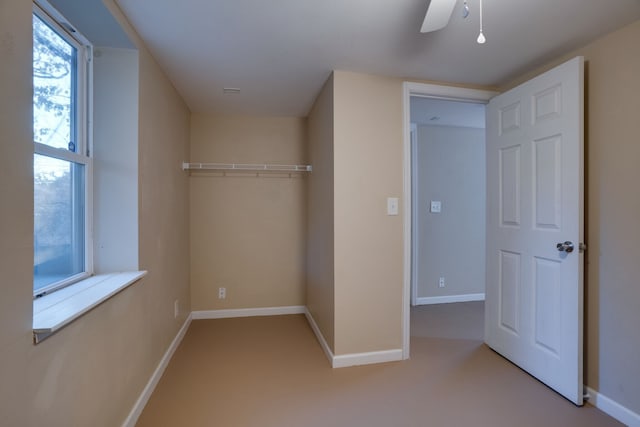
(392, 206)
(436, 206)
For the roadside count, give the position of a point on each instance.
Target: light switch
(436, 206)
(392, 206)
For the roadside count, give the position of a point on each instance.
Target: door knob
(565, 247)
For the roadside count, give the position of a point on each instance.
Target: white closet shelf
(239, 167)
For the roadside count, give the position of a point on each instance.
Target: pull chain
(481, 38)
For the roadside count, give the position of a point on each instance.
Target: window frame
(82, 113)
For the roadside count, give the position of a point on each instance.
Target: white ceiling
(280, 52)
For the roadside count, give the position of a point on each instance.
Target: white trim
(137, 409)
(59, 22)
(449, 92)
(413, 158)
(357, 359)
(340, 361)
(81, 123)
(431, 91)
(319, 336)
(60, 153)
(613, 408)
(56, 310)
(449, 299)
(248, 312)
(406, 228)
(353, 359)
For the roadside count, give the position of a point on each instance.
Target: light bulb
(481, 38)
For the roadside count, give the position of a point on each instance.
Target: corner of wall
(320, 298)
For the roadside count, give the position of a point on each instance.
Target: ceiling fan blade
(438, 15)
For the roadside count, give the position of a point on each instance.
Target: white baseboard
(155, 377)
(613, 408)
(354, 359)
(341, 361)
(248, 312)
(319, 336)
(449, 298)
(357, 359)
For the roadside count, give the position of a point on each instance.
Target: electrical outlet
(176, 309)
(441, 282)
(222, 293)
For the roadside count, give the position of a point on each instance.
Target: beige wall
(354, 255)
(320, 214)
(612, 151)
(451, 244)
(16, 222)
(248, 230)
(613, 108)
(612, 291)
(368, 156)
(91, 372)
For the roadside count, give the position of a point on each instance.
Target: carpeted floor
(271, 372)
(464, 321)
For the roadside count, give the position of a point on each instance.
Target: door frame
(435, 91)
(414, 211)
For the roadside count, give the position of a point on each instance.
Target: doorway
(411, 203)
(534, 163)
(448, 192)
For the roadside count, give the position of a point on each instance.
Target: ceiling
(280, 52)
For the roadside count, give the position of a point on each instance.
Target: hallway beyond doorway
(462, 320)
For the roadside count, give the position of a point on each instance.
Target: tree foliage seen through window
(53, 86)
(58, 183)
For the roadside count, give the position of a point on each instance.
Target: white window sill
(54, 311)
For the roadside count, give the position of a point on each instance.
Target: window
(62, 166)
(85, 162)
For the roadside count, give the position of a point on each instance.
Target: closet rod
(245, 167)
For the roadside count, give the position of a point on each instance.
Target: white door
(534, 293)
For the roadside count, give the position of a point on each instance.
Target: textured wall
(320, 214)
(91, 372)
(248, 230)
(613, 208)
(612, 290)
(368, 156)
(451, 244)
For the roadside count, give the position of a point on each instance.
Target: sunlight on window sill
(54, 311)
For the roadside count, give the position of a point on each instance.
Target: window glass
(54, 83)
(60, 164)
(58, 220)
